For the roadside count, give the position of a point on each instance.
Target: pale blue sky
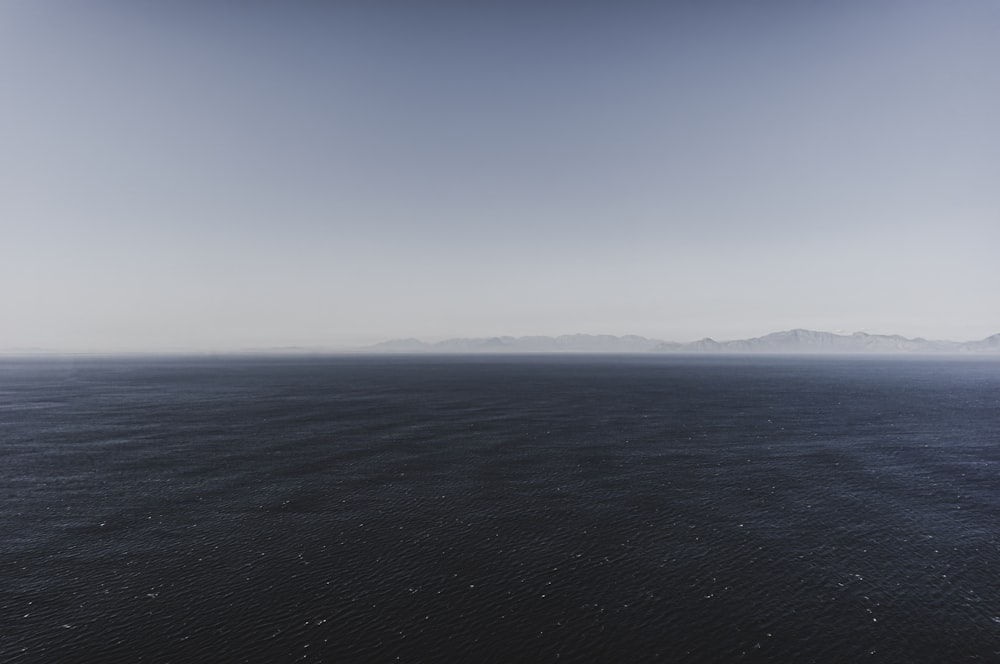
(216, 176)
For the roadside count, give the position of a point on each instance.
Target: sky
(215, 176)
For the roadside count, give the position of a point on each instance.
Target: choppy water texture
(500, 509)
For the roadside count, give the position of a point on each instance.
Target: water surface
(499, 509)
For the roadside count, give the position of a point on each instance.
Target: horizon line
(382, 347)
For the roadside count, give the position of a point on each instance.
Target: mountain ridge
(798, 341)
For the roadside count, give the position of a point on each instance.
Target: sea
(546, 508)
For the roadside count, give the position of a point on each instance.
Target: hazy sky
(211, 176)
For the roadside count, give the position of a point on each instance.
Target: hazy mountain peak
(797, 340)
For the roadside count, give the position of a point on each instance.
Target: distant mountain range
(789, 341)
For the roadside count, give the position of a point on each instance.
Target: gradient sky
(219, 176)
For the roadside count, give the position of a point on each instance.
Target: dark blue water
(507, 509)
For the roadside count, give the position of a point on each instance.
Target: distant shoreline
(789, 342)
(796, 341)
